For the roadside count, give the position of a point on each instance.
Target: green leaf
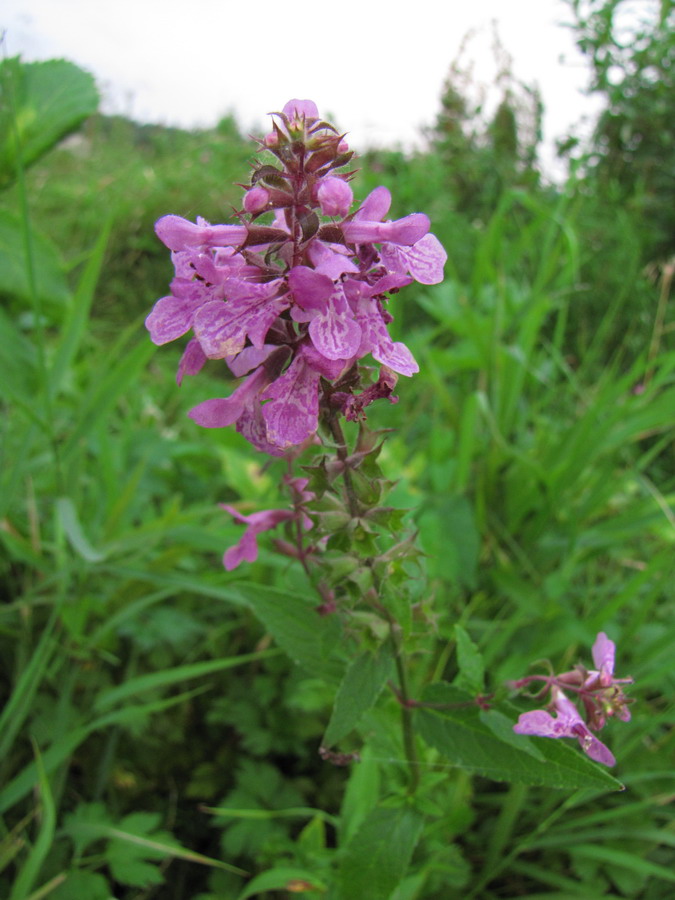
(70, 522)
(75, 322)
(41, 103)
(377, 857)
(361, 794)
(40, 849)
(614, 857)
(358, 691)
(82, 884)
(49, 280)
(450, 537)
(171, 677)
(461, 734)
(471, 667)
(282, 878)
(308, 638)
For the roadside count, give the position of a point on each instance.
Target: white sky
(377, 67)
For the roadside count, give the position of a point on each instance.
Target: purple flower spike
(568, 723)
(293, 303)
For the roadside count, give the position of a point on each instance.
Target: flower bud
(335, 196)
(256, 199)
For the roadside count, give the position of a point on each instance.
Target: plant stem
(339, 438)
(406, 707)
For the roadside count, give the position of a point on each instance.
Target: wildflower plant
(295, 296)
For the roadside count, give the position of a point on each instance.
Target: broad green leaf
(378, 855)
(457, 730)
(471, 667)
(282, 878)
(358, 691)
(40, 103)
(302, 633)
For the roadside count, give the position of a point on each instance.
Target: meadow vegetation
(159, 734)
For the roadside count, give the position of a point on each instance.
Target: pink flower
(568, 723)
(257, 523)
(600, 693)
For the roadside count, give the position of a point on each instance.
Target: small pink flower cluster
(601, 696)
(294, 303)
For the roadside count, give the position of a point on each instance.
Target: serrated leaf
(42, 102)
(457, 730)
(470, 661)
(377, 857)
(308, 638)
(358, 691)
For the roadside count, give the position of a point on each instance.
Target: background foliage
(161, 718)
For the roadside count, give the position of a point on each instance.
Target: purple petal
(298, 109)
(249, 358)
(592, 747)
(376, 340)
(542, 724)
(376, 205)
(247, 548)
(424, 260)
(180, 234)
(245, 551)
(329, 368)
(251, 425)
(192, 361)
(333, 331)
(171, 318)
(405, 231)
(220, 412)
(329, 261)
(603, 654)
(222, 327)
(310, 289)
(293, 413)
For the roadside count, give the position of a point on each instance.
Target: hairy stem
(339, 438)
